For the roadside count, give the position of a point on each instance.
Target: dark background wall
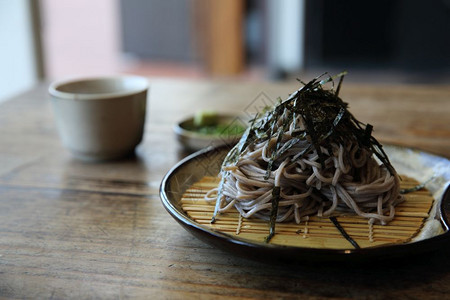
(157, 29)
(405, 34)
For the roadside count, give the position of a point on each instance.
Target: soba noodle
(312, 159)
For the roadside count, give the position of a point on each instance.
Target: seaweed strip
(273, 212)
(336, 121)
(274, 153)
(340, 83)
(219, 196)
(417, 187)
(344, 233)
(314, 139)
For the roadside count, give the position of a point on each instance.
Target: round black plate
(208, 162)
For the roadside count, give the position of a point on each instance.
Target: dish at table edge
(208, 161)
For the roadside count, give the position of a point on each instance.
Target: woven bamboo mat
(317, 232)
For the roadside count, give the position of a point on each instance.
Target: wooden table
(70, 229)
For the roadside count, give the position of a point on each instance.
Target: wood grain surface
(70, 229)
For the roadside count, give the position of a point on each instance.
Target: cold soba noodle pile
(308, 155)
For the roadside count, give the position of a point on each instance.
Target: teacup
(100, 118)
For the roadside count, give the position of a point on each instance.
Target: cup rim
(141, 86)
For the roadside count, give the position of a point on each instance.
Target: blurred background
(385, 41)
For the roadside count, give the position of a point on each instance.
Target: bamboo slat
(317, 232)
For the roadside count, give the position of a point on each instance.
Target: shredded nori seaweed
(274, 212)
(344, 233)
(327, 120)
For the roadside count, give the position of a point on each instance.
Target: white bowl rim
(141, 83)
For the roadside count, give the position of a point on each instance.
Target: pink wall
(80, 37)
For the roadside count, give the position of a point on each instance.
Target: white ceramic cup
(100, 118)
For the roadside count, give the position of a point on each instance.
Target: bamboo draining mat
(317, 232)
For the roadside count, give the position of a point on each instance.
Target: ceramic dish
(416, 164)
(100, 118)
(194, 140)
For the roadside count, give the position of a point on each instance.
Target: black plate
(208, 161)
